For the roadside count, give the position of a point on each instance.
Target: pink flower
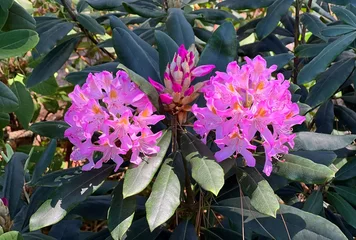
(244, 105)
(177, 91)
(111, 116)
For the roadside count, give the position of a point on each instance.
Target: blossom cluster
(178, 91)
(111, 117)
(245, 106)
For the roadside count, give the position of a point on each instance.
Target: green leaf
(36, 236)
(301, 225)
(337, 30)
(51, 129)
(68, 196)
(82, 5)
(14, 181)
(343, 207)
(258, 189)
(344, 15)
(214, 15)
(178, 28)
(138, 178)
(314, 203)
(340, 2)
(4, 119)
(346, 117)
(166, 50)
(348, 193)
(205, 170)
(26, 107)
(134, 55)
(47, 87)
(300, 169)
(104, 4)
(144, 9)
(52, 62)
(140, 230)
(324, 58)
(218, 233)
(320, 157)
(17, 42)
(280, 60)
(165, 196)
(309, 50)
(311, 141)
(324, 117)
(8, 100)
(6, 4)
(313, 24)
(4, 13)
(90, 24)
(56, 178)
(329, 82)
(44, 162)
(144, 85)
(184, 231)
(19, 18)
(121, 213)
(240, 5)
(274, 13)
(220, 49)
(347, 171)
(12, 235)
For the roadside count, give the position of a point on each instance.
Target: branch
(296, 39)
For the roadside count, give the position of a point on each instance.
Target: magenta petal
(156, 85)
(166, 98)
(176, 87)
(189, 91)
(202, 70)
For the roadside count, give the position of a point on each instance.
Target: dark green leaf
(178, 28)
(220, 49)
(324, 58)
(346, 117)
(184, 231)
(140, 230)
(329, 82)
(202, 34)
(57, 178)
(26, 107)
(121, 213)
(324, 118)
(208, 174)
(52, 62)
(8, 100)
(332, 31)
(348, 193)
(213, 15)
(14, 181)
(3, 16)
(240, 5)
(280, 60)
(4, 119)
(340, 2)
(313, 24)
(12, 235)
(314, 203)
(274, 14)
(317, 141)
(144, 9)
(82, 5)
(68, 196)
(257, 188)
(165, 196)
(66, 229)
(138, 178)
(47, 87)
(320, 157)
(166, 49)
(36, 236)
(347, 171)
(344, 15)
(309, 50)
(18, 18)
(90, 24)
(300, 169)
(105, 4)
(17, 42)
(6, 4)
(217, 233)
(51, 129)
(343, 207)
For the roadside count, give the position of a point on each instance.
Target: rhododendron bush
(175, 119)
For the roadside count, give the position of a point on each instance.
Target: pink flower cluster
(111, 116)
(179, 74)
(244, 105)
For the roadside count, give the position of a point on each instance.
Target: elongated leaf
(138, 178)
(17, 42)
(340, 2)
(329, 82)
(105, 4)
(51, 129)
(301, 225)
(12, 235)
(240, 5)
(45, 161)
(220, 49)
(90, 24)
(257, 188)
(178, 28)
(347, 193)
(14, 181)
(347, 171)
(37, 236)
(317, 141)
(19, 18)
(52, 62)
(217, 233)
(216, 16)
(57, 178)
(320, 157)
(144, 9)
(309, 50)
(26, 107)
(346, 117)
(332, 31)
(121, 213)
(6, 4)
(140, 230)
(4, 119)
(144, 85)
(300, 169)
(344, 15)
(324, 58)
(324, 118)
(280, 60)
(66, 229)
(165, 196)
(68, 196)
(46, 88)
(343, 207)
(274, 14)
(184, 231)
(314, 203)
(166, 49)
(8, 100)
(3, 16)
(208, 174)
(313, 24)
